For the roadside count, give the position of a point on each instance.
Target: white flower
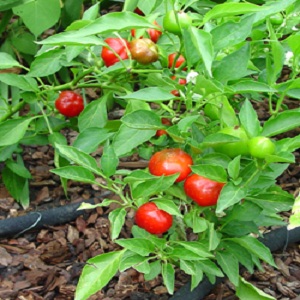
(288, 57)
(191, 77)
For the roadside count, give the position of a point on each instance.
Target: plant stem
(12, 111)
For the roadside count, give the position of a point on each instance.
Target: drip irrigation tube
(275, 240)
(14, 227)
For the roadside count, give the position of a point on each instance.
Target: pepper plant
(232, 56)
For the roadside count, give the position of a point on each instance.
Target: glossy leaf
(233, 66)
(247, 291)
(230, 265)
(76, 173)
(93, 115)
(281, 123)
(140, 246)
(13, 130)
(128, 138)
(7, 61)
(249, 119)
(39, 15)
(142, 119)
(79, 157)
(229, 196)
(231, 9)
(256, 248)
(114, 21)
(168, 274)
(117, 220)
(97, 273)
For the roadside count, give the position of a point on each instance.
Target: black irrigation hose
(13, 227)
(274, 240)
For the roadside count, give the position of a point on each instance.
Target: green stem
(12, 111)
(46, 118)
(139, 71)
(82, 75)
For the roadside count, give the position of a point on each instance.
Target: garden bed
(45, 263)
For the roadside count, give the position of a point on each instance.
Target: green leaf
(239, 228)
(18, 169)
(193, 220)
(272, 8)
(93, 115)
(168, 274)
(246, 211)
(281, 123)
(151, 94)
(247, 291)
(79, 157)
(196, 247)
(230, 195)
(243, 256)
(273, 200)
(7, 61)
(169, 206)
(47, 63)
(17, 186)
(249, 119)
(92, 12)
(155, 270)
(39, 15)
(8, 4)
(142, 119)
(71, 11)
(200, 45)
(250, 86)
(24, 42)
(232, 33)
(126, 139)
(131, 259)
(89, 139)
(97, 274)
(210, 267)
(234, 168)
(213, 172)
(12, 131)
(231, 9)
(187, 267)
(277, 52)
(295, 217)
(255, 247)
(294, 42)
(228, 115)
(117, 220)
(282, 157)
(233, 66)
(230, 265)
(153, 186)
(213, 237)
(21, 81)
(76, 173)
(109, 23)
(109, 161)
(140, 246)
(197, 278)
